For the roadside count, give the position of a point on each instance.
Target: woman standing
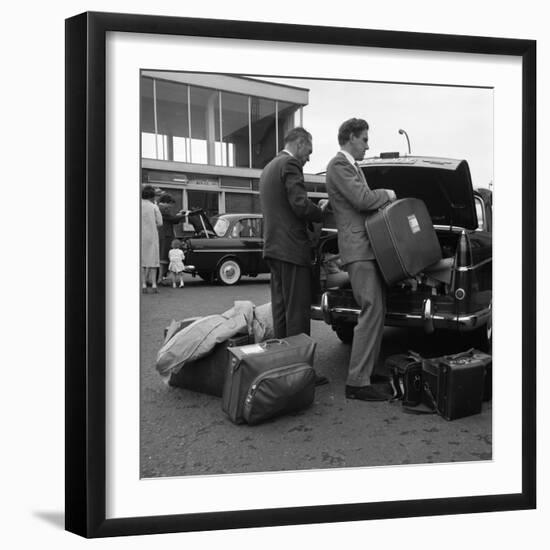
(151, 219)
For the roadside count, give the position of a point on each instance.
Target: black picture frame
(86, 285)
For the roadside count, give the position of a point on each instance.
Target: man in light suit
(287, 249)
(351, 200)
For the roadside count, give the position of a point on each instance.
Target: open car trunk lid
(445, 186)
(200, 222)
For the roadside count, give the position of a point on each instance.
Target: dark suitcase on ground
(207, 374)
(454, 384)
(406, 377)
(403, 239)
(269, 379)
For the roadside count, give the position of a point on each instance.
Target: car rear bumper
(427, 319)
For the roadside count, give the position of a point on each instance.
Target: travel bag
(269, 379)
(207, 374)
(403, 239)
(453, 385)
(406, 377)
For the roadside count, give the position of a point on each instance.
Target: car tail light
(463, 252)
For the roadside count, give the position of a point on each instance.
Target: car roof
(233, 216)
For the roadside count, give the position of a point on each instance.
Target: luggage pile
(233, 356)
(453, 386)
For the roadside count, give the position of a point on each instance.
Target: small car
(226, 249)
(460, 300)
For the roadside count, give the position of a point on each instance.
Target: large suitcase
(453, 385)
(268, 379)
(403, 239)
(207, 374)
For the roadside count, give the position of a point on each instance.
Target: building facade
(205, 138)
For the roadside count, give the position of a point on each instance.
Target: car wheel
(483, 337)
(206, 276)
(229, 272)
(345, 333)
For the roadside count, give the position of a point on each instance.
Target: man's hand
(322, 204)
(391, 193)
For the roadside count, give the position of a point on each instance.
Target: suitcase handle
(467, 353)
(274, 341)
(414, 355)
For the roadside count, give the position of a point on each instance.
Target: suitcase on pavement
(269, 379)
(207, 374)
(403, 239)
(453, 385)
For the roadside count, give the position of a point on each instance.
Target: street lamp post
(401, 131)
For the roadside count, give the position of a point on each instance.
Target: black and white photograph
(316, 273)
(283, 242)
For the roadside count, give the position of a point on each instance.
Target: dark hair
(166, 198)
(147, 192)
(353, 126)
(297, 133)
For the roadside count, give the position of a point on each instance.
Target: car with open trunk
(457, 294)
(225, 248)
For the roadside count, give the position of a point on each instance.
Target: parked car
(459, 297)
(226, 249)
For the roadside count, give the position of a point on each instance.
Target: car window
(221, 226)
(247, 227)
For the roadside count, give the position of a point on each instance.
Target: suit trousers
(290, 298)
(369, 291)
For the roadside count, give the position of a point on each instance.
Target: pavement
(187, 433)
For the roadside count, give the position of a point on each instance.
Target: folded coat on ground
(199, 337)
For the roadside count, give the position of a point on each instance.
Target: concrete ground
(187, 433)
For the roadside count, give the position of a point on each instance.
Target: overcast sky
(440, 121)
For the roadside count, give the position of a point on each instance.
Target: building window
(242, 203)
(207, 200)
(285, 121)
(262, 117)
(203, 125)
(172, 121)
(241, 183)
(194, 124)
(234, 149)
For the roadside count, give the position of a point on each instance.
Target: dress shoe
(320, 380)
(365, 393)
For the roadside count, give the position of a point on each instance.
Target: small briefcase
(406, 377)
(269, 379)
(453, 385)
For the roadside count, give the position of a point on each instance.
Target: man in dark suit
(351, 200)
(287, 249)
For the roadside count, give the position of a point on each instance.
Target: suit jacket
(287, 211)
(351, 200)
